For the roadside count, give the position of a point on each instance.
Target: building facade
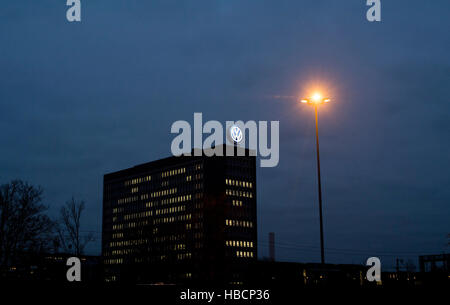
(181, 219)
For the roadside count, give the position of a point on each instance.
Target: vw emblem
(236, 134)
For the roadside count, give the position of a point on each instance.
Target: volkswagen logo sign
(236, 133)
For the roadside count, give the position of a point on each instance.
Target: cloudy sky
(78, 100)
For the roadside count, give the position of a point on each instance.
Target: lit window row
(123, 252)
(172, 219)
(114, 261)
(182, 256)
(173, 172)
(117, 210)
(237, 203)
(145, 196)
(138, 215)
(176, 209)
(238, 183)
(133, 242)
(138, 180)
(189, 178)
(239, 193)
(134, 190)
(176, 199)
(239, 243)
(127, 200)
(117, 235)
(173, 237)
(239, 223)
(163, 192)
(179, 247)
(118, 227)
(112, 278)
(151, 204)
(244, 254)
(132, 225)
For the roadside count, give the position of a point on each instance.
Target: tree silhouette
(24, 228)
(69, 228)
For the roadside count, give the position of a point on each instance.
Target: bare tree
(24, 228)
(69, 229)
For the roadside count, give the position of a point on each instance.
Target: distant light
(316, 97)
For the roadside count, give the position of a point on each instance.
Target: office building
(181, 219)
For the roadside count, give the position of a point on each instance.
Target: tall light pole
(315, 101)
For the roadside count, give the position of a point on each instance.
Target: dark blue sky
(80, 100)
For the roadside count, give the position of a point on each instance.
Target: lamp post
(315, 101)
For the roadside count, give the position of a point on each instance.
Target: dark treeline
(27, 231)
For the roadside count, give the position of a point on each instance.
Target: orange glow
(316, 92)
(316, 88)
(317, 97)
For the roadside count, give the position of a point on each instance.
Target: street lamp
(316, 100)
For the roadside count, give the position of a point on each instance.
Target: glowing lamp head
(317, 97)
